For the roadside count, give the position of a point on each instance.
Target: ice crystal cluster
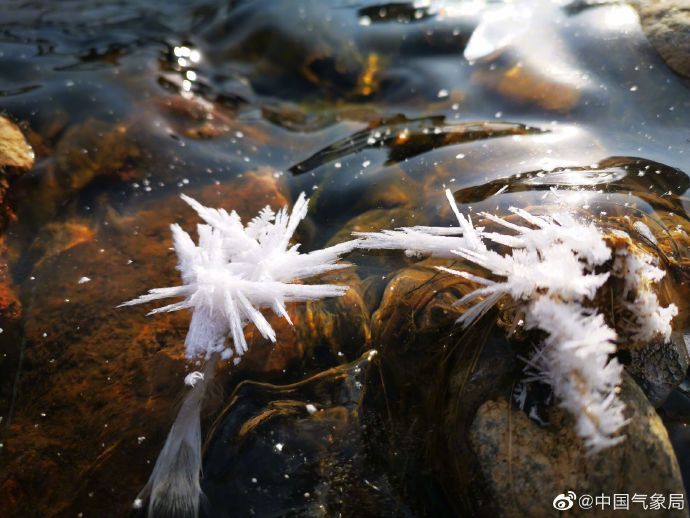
(553, 269)
(233, 272)
(237, 269)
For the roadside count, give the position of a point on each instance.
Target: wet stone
(659, 367)
(433, 377)
(296, 449)
(667, 26)
(525, 465)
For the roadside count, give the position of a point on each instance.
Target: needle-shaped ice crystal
(236, 270)
(553, 268)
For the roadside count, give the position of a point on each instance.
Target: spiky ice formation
(237, 269)
(552, 270)
(574, 360)
(647, 318)
(430, 241)
(234, 271)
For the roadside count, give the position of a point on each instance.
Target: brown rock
(297, 449)
(667, 26)
(526, 465)
(528, 86)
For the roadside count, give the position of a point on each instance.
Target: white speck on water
(442, 93)
(460, 156)
(337, 165)
(365, 21)
(366, 163)
(633, 88)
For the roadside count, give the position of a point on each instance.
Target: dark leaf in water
(405, 138)
(658, 184)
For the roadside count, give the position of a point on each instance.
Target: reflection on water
(371, 108)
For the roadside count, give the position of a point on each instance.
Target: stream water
(368, 107)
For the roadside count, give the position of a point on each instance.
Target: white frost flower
(234, 271)
(433, 241)
(237, 269)
(553, 266)
(649, 319)
(575, 362)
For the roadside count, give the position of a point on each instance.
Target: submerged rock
(659, 368)
(528, 86)
(297, 449)
(525, 465)
(433, 376)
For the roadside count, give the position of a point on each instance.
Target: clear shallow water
(366, 106)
